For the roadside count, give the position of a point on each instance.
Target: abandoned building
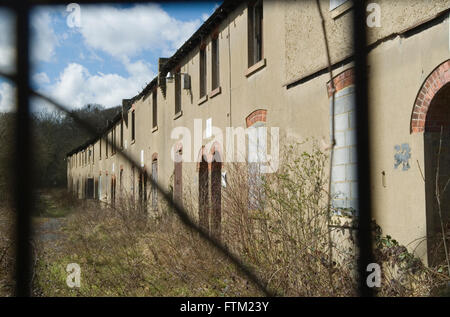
(263, 64)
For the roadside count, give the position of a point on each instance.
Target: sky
(97, 54)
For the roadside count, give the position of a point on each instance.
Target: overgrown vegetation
(124, 251)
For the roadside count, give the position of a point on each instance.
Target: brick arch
(434, 82)
(202, 156)
(178, 149)
(215, 153)
(341, 81)
(259, 115)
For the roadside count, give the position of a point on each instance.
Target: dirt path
(48, 225)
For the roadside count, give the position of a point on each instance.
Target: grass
(125, 255)
(124, 251)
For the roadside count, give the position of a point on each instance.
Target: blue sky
(107, 55)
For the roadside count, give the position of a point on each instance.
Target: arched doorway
(437, 172)
(178, 175)
(203, 193)
(216, 194)
(431, 115)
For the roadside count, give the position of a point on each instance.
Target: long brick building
(263, 64)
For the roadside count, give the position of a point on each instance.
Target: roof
(168, 64)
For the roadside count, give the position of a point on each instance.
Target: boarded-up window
(90, 188)
(256, 157)
(154, 189)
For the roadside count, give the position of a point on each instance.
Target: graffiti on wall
(402, 156)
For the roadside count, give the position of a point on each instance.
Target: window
(215, 63)
(177, 92)
(336, 3)
(121, 134)
(113, 148)
(107, 145)
(202, 72)
(154, 109)
(133, 125)
(255, 29)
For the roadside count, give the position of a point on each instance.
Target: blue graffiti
(402, 156)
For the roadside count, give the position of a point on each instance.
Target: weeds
(280, 228)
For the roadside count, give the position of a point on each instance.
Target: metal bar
(247, 270)
(364, 236)
(23, 169)
(23, 154)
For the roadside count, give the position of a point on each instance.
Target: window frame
(106, 144)
(121, 134)
(155, 109)
(202, 72)
(215, 63)
(334, 4)
(177, 91)
(255, 40)
(133, 125)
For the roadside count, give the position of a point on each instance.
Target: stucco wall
(305, 45)
(293, 48)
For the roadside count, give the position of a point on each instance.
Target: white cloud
(129, 31)
(76, 87)
(205, 16)
(44, 39)
(7, 97)
(41, 79)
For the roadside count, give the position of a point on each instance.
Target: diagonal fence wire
(23, 142)
(179, 210)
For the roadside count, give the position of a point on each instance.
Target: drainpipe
(229, 71)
